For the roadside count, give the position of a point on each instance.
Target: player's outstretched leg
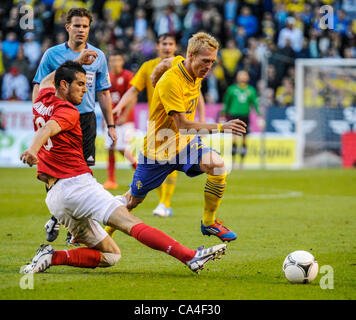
(158, 240)
(123, 220)
(167, 189)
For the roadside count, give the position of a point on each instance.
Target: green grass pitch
(273, 212)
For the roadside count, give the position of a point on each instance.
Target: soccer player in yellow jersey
(166, 48)
(173, 142)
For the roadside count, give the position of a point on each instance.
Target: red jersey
(62, 155)
(119, 85)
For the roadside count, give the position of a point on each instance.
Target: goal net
(325, 100)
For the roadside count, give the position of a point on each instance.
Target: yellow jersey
(176, 91)
(142, 78)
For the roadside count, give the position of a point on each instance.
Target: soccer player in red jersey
(120, 82)
(74, 196)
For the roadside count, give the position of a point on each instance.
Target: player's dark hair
(164, 36)
(67, 71)
(117, 52)
(78, 12)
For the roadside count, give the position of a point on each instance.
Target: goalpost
(325, 101)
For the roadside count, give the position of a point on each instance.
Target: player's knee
(110, 258)
(213, 164)
(133, 202)
(217, 168)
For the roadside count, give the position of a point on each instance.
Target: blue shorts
(150, 174)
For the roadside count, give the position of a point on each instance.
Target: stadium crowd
(250, 32)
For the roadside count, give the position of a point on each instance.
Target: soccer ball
(300, 267)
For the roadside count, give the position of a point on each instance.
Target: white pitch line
(287, 195)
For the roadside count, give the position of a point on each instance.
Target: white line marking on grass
(287, 195)
(275, 194)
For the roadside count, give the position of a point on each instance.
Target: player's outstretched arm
(125, 113)
(41, 137)
(47, 81)
(234, 126)
(129, 98)
(160, 69)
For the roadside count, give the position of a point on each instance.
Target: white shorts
(124, 134)
(80, 203)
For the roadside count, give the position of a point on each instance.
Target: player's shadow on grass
(143, 274)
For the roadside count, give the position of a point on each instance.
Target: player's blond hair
(201, 40)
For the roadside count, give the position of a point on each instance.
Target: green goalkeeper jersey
(238, 100)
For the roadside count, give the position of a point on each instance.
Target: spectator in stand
(304, 53)
(140, 24)
(11, 45)
(230, 30)
(168, 22)
(46, 44)
(212, 88)
(61, 37)
(148, 46)
(15, 85)
(291, 33)
(255, 7)
(282, 58)
(272, 80)
(333, 53)
(32, 49)
(268, 26)
(349, 6)
(250, 64)
(126, 17)
(212, 21)
(341, 22)
(230, 10)
(192, 21)
(307, 14)
(313, 43)
(348, 53)
(241, 38)
(248, 21)
(230, 57)
(112, 9)
(285, 93)
(10, 23)
(23, 65)
(280, 15)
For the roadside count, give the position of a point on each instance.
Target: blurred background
(262, 37)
